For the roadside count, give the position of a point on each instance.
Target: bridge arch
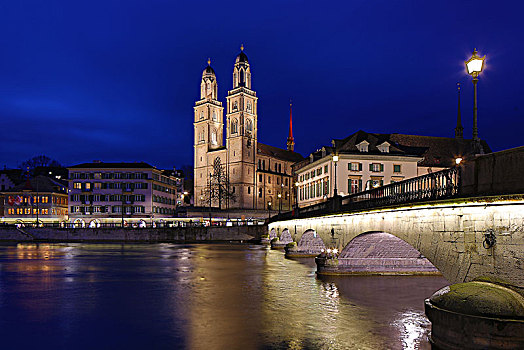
(383, 253)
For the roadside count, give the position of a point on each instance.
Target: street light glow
(335, 158)
(475, 64)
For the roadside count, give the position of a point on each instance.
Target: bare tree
(218, 188)
(39, 161)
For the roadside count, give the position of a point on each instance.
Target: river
(168, 296)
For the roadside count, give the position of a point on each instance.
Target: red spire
(290, 139)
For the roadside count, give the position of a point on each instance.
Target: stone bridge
(450, 233)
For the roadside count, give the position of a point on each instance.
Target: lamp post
(474, 67)
(296, 195)
(280, 203)
(335, 160)
(269, 210)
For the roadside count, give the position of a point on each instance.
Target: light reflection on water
(160, 296)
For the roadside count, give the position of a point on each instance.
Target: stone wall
(174, 234)
(494, 173)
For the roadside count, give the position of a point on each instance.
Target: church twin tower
(238, 158)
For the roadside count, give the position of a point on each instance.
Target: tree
(218, 188)
(38, 161)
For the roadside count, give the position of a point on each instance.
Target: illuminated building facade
(369, 160)
(256, 174)
(39, 198)
(121, 191)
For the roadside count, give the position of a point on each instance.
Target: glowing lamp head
(335, 251)
(328, 251)
(322, 250)
(335, 158)
(475, 64)
(279, 195)
(458, 160)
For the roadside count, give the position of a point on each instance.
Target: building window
(77, 185)
(319, 171)
(214, 137)
(260, 178)
(214, 116)
(355, 166)
(325, 169)
(260, 192)
(249, 126)
(354, 185)
(376, 167)
(397, 168)
(234, 126)
(249, 190)
(268, 179)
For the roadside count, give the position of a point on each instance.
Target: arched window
(234, 126)
(201, 115)
(214, 116)
(235, 106)
(242, 77)
(249, 126)
(214, 137)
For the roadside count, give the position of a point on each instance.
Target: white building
(369, 160)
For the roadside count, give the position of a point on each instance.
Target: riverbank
(134, 235)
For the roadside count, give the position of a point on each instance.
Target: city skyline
(83, 83)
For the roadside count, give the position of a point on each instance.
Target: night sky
(117, 80)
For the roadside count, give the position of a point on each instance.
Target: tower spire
(459, 130)
(290, 139)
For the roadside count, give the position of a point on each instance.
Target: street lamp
(335, 160)
(280, 203)
(269, 209)
(474, 67)
(296, 195)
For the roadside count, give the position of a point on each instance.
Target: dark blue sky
(117, 80)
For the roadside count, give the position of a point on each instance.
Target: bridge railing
(438, 185)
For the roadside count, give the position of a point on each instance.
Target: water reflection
(86, 296)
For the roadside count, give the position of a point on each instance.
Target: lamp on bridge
(280, 204)
(458, 160)
(269, 209)
(335, 160)
(474, 67)
(296, 195)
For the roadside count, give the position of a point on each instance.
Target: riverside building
(39, 199)
(250, 174)
(367, 160)
(115, 192)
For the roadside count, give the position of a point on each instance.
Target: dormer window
(363, 146)
(384, 147)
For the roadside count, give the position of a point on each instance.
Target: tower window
(241, 77)
(234, 126)
(201, 115)
(214, 116)
(249, 126)
(249, 190)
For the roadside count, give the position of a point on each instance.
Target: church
(241, 173)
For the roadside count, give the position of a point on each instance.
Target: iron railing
(433, 186)
(438, 185)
